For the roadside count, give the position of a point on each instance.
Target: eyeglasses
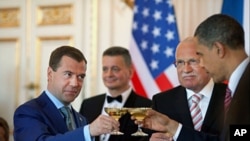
(191, 62)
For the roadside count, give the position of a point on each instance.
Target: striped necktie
(227, 99)
(196, 111)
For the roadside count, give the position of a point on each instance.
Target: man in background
(193, 110)
(117, 71)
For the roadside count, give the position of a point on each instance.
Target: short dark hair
(220, 28)
(69, 51)
(119, 51)
(4, 124)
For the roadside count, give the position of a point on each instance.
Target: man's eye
(104, 69)
(179, 63)
(81, 77)
(194, 62)
(115, 69)
(68, 74)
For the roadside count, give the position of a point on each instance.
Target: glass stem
(139, 127)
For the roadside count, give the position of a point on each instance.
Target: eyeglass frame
(191, 62)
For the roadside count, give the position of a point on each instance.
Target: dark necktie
(118, 98)
(68, 117)
(227, 99)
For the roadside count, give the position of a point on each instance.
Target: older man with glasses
(192, 109)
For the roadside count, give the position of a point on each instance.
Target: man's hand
(158, 122)
(103, 124)
(161, 137)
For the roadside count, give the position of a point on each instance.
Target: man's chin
(218, 80)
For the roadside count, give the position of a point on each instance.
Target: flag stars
(135, 9)
(155, 48)
(154, 64)
(157, 15)
(158, 1)
(170, 3)
(144, 44)
(145, 12)
(169, 35)
(134, 26)
(156, 32)
(144, 28)
(169, 52)
(170, 18)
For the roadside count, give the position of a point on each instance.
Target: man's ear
(49, 71)
(220, 49)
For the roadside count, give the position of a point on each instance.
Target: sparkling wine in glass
(139, 114)
(116, 113)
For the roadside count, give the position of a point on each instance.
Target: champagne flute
(116, 113)
(139, 114)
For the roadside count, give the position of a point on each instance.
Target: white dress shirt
(203, 104)
(236, 75)
(115, 104)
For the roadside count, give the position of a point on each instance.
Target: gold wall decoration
(9, 17)
(54, 15)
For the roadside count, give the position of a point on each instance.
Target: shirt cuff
(86, 133)
(176, 135)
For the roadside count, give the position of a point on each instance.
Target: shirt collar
(236, 75)
(124, 94)
(54, 100)
(206, 91)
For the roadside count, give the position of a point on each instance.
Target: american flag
(154, 40)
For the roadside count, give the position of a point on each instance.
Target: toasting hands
(103, 124)
(158, 122)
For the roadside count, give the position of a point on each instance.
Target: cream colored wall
(114, 20)
(190, 13)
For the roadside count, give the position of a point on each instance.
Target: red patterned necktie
(227, 99)
(196, 111)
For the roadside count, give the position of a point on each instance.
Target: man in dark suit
(175, 104)
(40, 119)
(117, 71)
(220, 41)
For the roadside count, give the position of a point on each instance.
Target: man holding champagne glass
(117, 72)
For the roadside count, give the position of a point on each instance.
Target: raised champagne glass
(116, 113)
(139, 114)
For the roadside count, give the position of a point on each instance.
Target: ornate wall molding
(9, 17)
(54, 15)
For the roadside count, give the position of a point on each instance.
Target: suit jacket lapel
(80, 121)
(97, 110)
(131, 100)
(216, 105)
(240, 99)
(181, 101)
(52, 113)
